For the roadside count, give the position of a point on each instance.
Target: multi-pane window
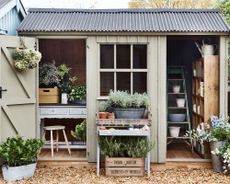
(123, 67)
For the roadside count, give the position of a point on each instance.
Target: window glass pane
(140, 56)
(107, 83)
(107, 56)
(123, 81)
(123, 56)
(139, 82)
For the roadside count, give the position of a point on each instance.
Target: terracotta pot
(103, 115)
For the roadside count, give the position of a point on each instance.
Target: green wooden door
(18, 103)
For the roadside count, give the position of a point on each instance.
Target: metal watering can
(206, 49)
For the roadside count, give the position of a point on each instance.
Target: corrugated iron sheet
(123, 20)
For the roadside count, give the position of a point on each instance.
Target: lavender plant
(48, 76)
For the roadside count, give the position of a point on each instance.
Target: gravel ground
(62, 175)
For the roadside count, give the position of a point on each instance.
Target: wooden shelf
(205, 82)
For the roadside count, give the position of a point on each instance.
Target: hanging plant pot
(129, 113)
(26, 59)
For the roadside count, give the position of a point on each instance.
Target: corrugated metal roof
(123, 20)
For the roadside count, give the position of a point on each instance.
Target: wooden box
(49, 95)
(124, 166)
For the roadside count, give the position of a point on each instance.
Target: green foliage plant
(135, 147)
(16, 151)
(62, 70)
(77, 92)
(80, 131)
(122, 99)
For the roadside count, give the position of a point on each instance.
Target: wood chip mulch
(71, 175)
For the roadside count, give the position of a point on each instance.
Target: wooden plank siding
(223, 75)
(72, 52)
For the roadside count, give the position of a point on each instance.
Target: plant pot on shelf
(217, 164)
(18, 172)
(176, 117)
(180, 102)
(174, 131)
(49, 95)
(129, 113)
(176, 89)
(64, 98)
(103, 115)
(78, 102)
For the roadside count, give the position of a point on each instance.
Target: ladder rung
(178, 122)
(179, 137)
(176, 93)
(177, 107)
(176, 79)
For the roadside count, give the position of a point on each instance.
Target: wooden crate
(124, 166)
(49, 95)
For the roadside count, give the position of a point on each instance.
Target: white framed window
(123, 67)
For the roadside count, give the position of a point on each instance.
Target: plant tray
(122, 122)
(115, 166)
(49, 95)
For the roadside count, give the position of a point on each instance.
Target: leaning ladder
(179, 71)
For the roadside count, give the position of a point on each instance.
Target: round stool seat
(54, 127)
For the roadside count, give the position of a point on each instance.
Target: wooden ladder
(176, 76)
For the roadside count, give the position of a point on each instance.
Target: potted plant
(217, 134)
(80, 132)
(19, 157)
(224, 153)
(127, 106)
(25, 59)
(77, 94)
(64, 84)
(103, 110)
(48, 82)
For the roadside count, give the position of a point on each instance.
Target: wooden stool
(56, 128)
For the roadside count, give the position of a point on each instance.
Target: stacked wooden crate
(49, 95)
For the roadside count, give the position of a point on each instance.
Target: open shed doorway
(185, 101)
(72, 53)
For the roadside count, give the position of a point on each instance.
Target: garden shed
(139, 50)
